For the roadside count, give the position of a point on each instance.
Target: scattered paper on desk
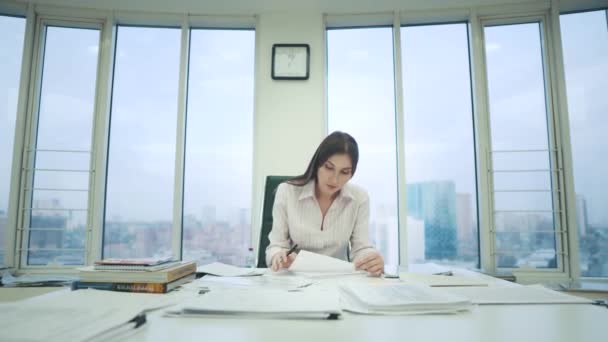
(429, 268)
(272, 303)
(36, 279)
(72, 315)
(290, 283)
(440, 280)
(532, 294)
(399, 299)
(318, 265)
(224, 270)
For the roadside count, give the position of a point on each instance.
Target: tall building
(434, 203)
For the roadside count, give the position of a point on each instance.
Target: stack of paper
(271, 303)
(400, 298)
(72, 315)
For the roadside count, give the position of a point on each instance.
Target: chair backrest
(272, 182)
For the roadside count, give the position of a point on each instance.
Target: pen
(293, 249)
(120, 329)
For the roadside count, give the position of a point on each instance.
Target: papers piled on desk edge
(400, 299)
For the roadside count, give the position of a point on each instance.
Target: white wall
(289, 115)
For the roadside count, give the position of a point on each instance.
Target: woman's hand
(282, 260)
(373, 263)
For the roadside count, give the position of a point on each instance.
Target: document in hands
(317, 265)
(269, 303)
(399, 299)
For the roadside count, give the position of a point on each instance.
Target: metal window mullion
(57, 170)
(182, 103)
(56, 189)
(54, 150)
(28, 161)
(14, 237)
(479, 85)
(34, 229)
(400, 143)
(553, 138)
(562, 131)
(100, 140)
(514, 252)
(52, 249)
(527, 232)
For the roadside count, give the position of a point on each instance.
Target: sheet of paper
(429, 268)
(224, 270)
(532, 294)
(441, 280)
(261, 301)
(72, 315)
(317, 265)
(35, 279)
(400, 298)
(266, 281)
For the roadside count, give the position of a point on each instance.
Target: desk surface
(484, 323)
(496, 323)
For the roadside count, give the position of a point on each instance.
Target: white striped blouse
(297, 219)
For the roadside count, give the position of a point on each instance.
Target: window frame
(570, 193)
(10, 247)
(553, 109)
(31, 135)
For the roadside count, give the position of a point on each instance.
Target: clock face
(290, 62)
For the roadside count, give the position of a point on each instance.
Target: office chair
(272, 182)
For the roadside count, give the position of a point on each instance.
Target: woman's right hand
(282, 260)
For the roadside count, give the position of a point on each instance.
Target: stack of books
(136, 275)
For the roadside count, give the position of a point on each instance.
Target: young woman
(322, 212)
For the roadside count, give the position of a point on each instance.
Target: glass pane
(520, 141)
(361, 102)
(141, 159)
(219, 145)
(585, 45)
(438, 130)
(12, 31)
(65, 123)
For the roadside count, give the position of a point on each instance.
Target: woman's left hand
(372, 263)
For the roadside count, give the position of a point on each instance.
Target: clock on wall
(290, 61)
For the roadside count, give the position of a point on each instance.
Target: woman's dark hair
(335, 143)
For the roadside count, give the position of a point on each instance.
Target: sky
(438, 127)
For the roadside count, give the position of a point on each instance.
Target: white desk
(488, 323)
(509, 323)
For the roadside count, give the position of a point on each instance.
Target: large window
(523, 176)
(361, 102)
(439, 145)
(585, 49)
(219, 135)
(61, 153)
(12, 30)
(141, 156)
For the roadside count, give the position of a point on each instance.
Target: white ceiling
(261, 6)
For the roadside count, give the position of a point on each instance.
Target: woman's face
(334, 173)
